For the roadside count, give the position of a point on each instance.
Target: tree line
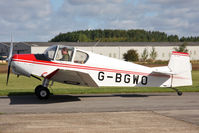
(119, 36)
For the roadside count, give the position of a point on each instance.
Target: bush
(131, 55)
(153, 54)
(144, 55)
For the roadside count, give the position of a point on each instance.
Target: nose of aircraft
(21, 64)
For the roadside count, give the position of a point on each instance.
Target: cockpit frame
(53, 53)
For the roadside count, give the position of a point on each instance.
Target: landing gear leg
(178, 92)
(42, 91)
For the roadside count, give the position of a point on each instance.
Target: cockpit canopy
(56, 52)
(65, 53)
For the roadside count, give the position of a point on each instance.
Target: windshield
(50, 52)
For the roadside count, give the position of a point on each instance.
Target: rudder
(180, 64)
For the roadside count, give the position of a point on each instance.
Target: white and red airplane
(90, 69)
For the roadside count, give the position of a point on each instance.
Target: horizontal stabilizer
(163, 70)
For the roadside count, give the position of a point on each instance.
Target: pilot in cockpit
(65, 55)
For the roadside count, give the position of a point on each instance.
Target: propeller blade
(11, 50)
(9, 60)
(8, 74)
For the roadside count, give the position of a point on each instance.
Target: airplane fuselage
(105, 71)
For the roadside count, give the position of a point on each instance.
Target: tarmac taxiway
(146, 112)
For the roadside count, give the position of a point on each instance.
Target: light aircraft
(89, 69)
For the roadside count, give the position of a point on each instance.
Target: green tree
(83, 38)
(108, 35)
(153, 54)
(182, 48)
(173, 38)
(144, 55)
(131, 55)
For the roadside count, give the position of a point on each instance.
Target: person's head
(64, 51)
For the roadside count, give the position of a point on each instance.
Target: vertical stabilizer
(180, 64)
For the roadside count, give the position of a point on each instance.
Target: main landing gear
(178, 92)
(42, 91)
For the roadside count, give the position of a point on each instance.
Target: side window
(64, 54)
(80, 57)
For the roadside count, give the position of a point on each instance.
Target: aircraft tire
(179, 93)
(42, 92)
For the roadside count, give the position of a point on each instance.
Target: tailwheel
(178, 92)
(42, 92)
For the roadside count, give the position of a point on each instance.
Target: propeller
(9, 59)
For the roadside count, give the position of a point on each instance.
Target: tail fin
(180, 64)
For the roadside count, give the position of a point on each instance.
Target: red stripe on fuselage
(30, 57)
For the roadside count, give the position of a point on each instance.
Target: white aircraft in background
(79, 67)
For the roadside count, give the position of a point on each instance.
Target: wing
(72, 77)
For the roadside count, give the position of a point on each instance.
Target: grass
(25, 86)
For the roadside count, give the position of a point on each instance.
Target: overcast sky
(40, 20)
